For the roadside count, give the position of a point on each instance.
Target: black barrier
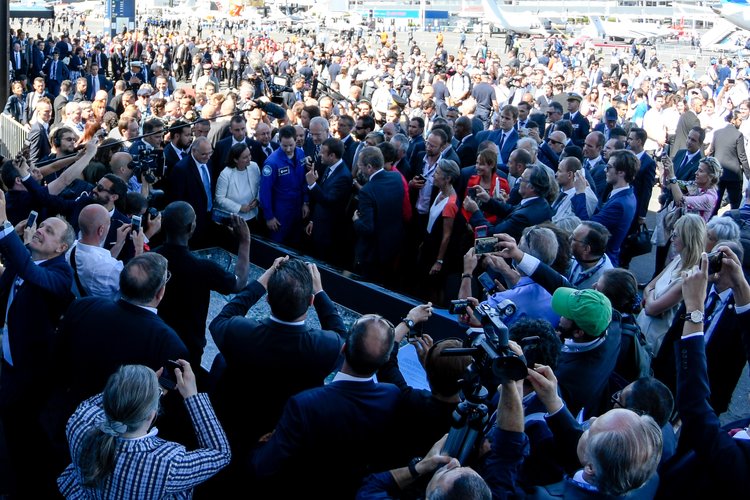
(352, 291)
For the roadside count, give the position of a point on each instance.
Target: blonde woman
(662, 296)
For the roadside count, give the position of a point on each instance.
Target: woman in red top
(486, 177)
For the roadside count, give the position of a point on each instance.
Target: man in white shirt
(565, 176)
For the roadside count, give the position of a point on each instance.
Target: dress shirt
(326, 174)
(423, 199)
(98, 271)
(718, 309)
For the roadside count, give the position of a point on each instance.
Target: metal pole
(4, 53)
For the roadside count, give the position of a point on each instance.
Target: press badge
(284, 171)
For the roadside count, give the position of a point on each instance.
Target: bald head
(178, 220)
(557, 140)
(94, 224)
(101, 95)
(119, 163)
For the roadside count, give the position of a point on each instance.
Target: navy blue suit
(643, 184)
(61, 73)
(350, 146)
(513, 219)
(329, 217)
(726, 460)
(380, 227)
(581, 127)
(185, 184)
(320, 427)
(616, 215)
(38, 142)
(467, 151)
(104, 84)
(687, 172)
(509, 144)
(546, 155)
(598, 173)
(15, 107)
(416, 146)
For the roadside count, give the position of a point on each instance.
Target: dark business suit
(53, 81)
(258, 155)
(643, 184)
(729, 148)
(101, 60)
(16, 108)
(725, 460)
(171, 158)
(616, 215)
(513, 219)
(686, 172)
(320, 426)
(508, 145)
(37, 62)
(687, 121)
(380, 228)
(350, 146)
(581, 127)
(186, 184)
(104, 84)
(416, 146)
(32, 99)
(38, 142)
(329, 217)
(548, 156)
(598, 170)
(467, 151)
(20, 67)
(35, 309)
(300, 358)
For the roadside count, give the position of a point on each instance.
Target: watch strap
(413, 467)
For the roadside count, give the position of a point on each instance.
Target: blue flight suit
(283, 190)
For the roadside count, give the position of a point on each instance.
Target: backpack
(642, 353)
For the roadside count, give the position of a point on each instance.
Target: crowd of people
(463, 177)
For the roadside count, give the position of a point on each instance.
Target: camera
(485, 245)
(145, 163)
(458, 306)
(473, 193)
(714, 262)
(221, 217)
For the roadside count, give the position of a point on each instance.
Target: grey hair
(528, 141)
(725, 228)
(626, 458)
(129, 398)
(400, 141)
(142, 278)
(539, 242)
(450, 169)
(568, 223)
(319, 120)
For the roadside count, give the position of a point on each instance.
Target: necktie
(18, 60)
(206, 184)
(299, 96)
(713, 301)
(501, 142)
(682, 165)
(559, 200)
(95, 84)
(317, 153)
(267, 150)
(586, 164)
(54, 71)
(99, 61)
(327, 174)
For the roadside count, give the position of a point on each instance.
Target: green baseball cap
(591, 310)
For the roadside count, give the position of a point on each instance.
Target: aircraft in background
(736, 12)
(626, 31)
(522, 23)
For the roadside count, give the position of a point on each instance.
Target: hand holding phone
(168, 380)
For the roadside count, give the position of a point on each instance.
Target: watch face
(696, 316)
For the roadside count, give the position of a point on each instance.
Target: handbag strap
(74, 265)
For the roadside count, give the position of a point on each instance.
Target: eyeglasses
(99, 187)
(558, 143)
(571, 238)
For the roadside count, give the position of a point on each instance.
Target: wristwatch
(673, 180)
(694, 317)
(413, 467)
(409, 323)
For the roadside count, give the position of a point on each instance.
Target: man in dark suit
(533, 208)
(643, 184)
(506, 136)
(618, 212)
(33, 98)
(282, 343)
(609, 123)
(319, 132)
(96, 81)
(190, 181)
(344, 127)
(135, 333)
(467, 149)
(353, 416)
(185, 306)
(38, 138)
(56, 71)
(378, 221)
(34, 297)
(180, 137)
(581, 125)
(18, 61)
(724, 459)
(594, 164)
(329, 195)
(416, 141)
(238, 133)
(99, 59)
(686, 161)
(688, 121)
(37, 59)
(298, 86)
(551, 149)
(262, 146)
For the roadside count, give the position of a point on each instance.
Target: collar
(462, 140)
(570, 192)
(344, 377)
(152, 309)
(287, 323)
(111, 213)
(335, 165)
(571, 346)
(615, 191)
(376, 173)
(528, 200)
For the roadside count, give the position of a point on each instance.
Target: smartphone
(135, 223)
(32, 218)
(487, 283)
(458, 306)
(665, 151)
(221, 217)
(730, 81)
(480, 232)
(473, 193)
(167, 379)
(484, 245)
(714, 262)
(419, 177)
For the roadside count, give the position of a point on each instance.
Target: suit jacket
(16, 108)
(37, 62)
(350, 146)
(30, 98)
(329, 216)
(643, 184)
(729, 148)
(133, 335)
(256, 151)
(104, 84)
(416, 146)
(62, 73)
(38, 142)
(687, 121)
(546, 155)
(36, 307)
(450, 154)
(380, 228)
(616, 215)
(319, 426)
(467, 151)
(581, 127)
(726, 460)
(185, 184)
(598, 171)
(513, 219)
(102, 62)
(301, 358)
(171, 158)
(687, 172)
(19, 69)
(509, 144)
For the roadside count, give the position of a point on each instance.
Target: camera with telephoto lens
(145, 163)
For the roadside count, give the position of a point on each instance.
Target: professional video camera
(263, 79)
(493, 363)
(146, 163)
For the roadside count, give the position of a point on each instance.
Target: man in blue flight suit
(283, 190)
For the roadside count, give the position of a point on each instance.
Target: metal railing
(12, 136)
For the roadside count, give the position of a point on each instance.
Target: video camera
(145, 163)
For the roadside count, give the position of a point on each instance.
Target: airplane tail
(597, 22)
(494, 15)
